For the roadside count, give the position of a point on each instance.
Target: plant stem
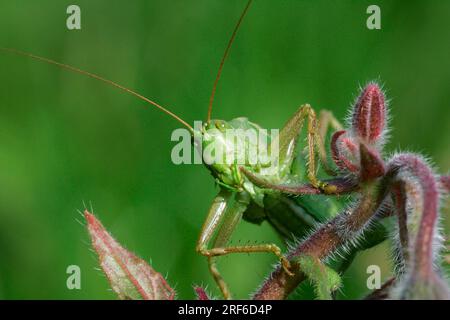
(325, 241)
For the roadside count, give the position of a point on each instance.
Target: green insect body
(312, 209)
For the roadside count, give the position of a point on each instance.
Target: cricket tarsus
(97, 77)
(225, 55)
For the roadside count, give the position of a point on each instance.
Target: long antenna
(227, 50)
(92, 75)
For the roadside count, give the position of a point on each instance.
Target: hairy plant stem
(325, 241)
(350, 223)
(419, 203)
(417, 183)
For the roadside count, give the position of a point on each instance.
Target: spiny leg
(340, 185)
(287, 151)
(212, 254)
(220, 251)
(288, 138)
(313, 141)
(312, 134)
(228, 217)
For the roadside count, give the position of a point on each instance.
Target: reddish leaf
(130, 276)
(201, 293)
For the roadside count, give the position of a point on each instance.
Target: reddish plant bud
(372, 166)
(201, 293)
(369, 114)
(129, 276)
(344, 151)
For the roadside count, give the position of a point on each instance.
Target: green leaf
(324, 279)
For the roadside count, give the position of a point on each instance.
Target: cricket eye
(220, 125)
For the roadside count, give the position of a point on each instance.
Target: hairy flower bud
(369, 114)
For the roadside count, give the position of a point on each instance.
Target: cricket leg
(232, 217)
(336, 186)
(212, 222)
(270, 247)
(326, 120)
(288, 145)
(313, 137)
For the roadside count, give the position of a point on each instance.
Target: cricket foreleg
(288, 144)
(336, 186)
(313, 141)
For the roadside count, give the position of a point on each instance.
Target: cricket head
(226, 146)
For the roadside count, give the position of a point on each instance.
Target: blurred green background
(65, 139)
